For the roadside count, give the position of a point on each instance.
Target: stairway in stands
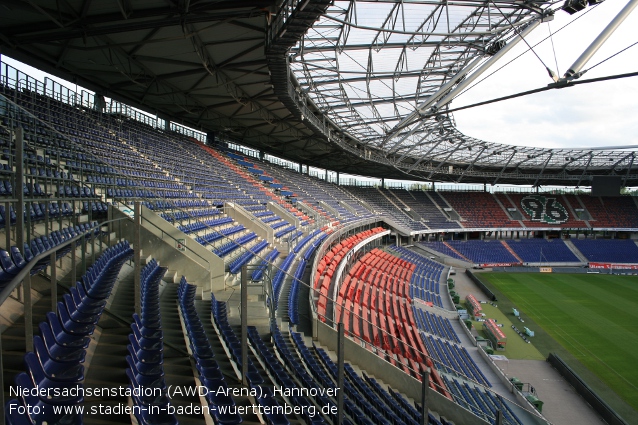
(108, 365)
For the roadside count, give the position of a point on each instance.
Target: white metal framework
(385, 71)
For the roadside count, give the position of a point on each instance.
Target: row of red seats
(328, 265)
(378, 311)
(479, 209)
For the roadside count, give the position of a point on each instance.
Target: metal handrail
(17, 280)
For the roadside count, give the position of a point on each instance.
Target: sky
(589, 115)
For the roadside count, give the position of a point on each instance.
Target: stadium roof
(353, 86)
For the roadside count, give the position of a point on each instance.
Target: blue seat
(152, 369)
(72, 327)
(56, 351)
(145, 356)
(68, 392)
(150, 344)
(145, 380)
(55, 370)
(77, 315)
(7, 263)
(62, 337)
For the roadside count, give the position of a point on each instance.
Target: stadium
(265, 211)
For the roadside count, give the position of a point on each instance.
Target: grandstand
(140, 252)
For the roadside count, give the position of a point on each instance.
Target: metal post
(499, 417)
(84, 254)
(425, 384)
(138, 257)
(19, 210)
(574, 70)
(7, 225)
(340, 374)
(46, 219)
(54, 282)
(28, 313)
(244, 325)
(74, 271)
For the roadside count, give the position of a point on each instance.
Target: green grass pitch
(594, 318)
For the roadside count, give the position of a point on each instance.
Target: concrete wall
(241, 216)
(159, 239)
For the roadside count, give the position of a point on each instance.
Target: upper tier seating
(423, 205)
(382, 204)
(611, 212)
(479, 210)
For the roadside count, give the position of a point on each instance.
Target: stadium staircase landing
(511, 251)
(457, 253)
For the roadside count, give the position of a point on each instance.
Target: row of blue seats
(236, 265)
(428, 281)
(435, 324)
(295, 236)
(75, 192)
(54, 371)
(361, 410)
(28, 189)
(373, 409)
(279, 224)
(146, 353)
(305, 240)
(110, 180)
(209, 238)
(227, 248)
(271, 219)
(455, 359)
(47, 172)
(179, 203)
(293, 297)
(231, 342)
(13, 261)
(278, 279)
(262, 213)
(210, 374)
(443, 248)
(85, 166)
(285, 231)
(425, 296)
(96, 208)
(482, 403)
(36, 212)
(268, 259)
(282, 379)
(201, 225)
(142, 193)
(183, 215)
(298, 370)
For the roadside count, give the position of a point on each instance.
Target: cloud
(590, 115)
